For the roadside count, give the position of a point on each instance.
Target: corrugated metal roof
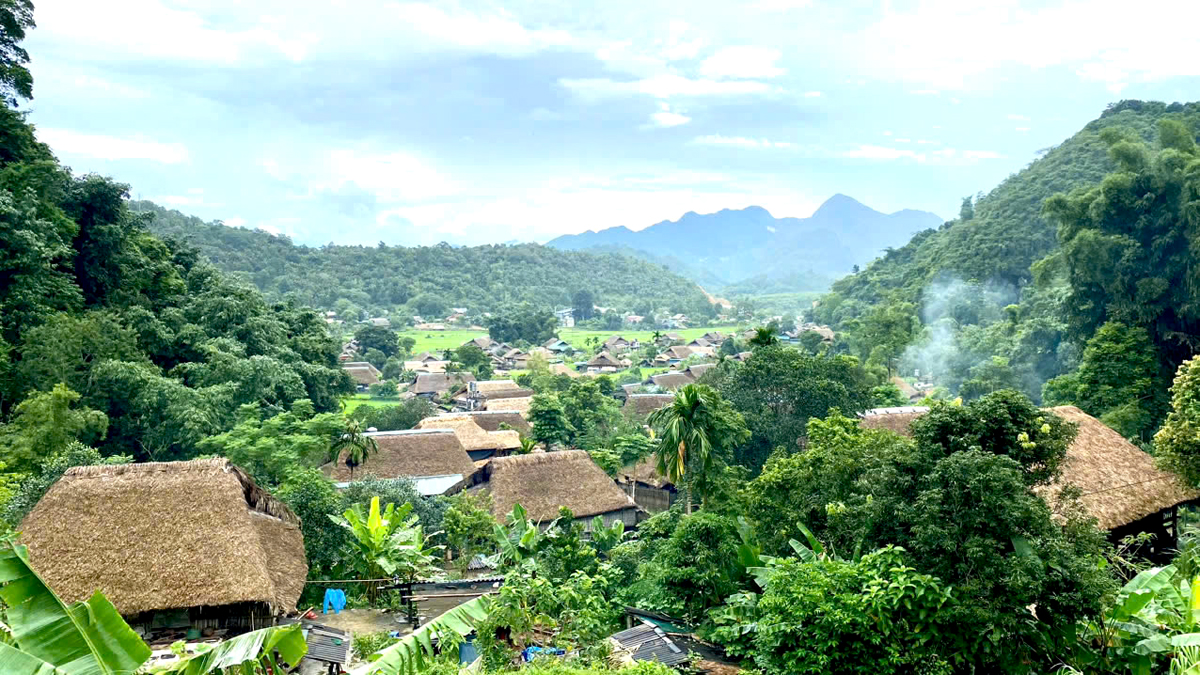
(648, 642)
(324, 643)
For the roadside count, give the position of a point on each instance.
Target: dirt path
(359, 621)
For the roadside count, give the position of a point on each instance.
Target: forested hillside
(428, 281)
(115, 338)
(1016, 291)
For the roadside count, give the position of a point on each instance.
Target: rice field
(438, 341)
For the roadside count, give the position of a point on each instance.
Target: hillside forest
(1046, 330)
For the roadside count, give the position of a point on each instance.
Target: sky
(367, 121)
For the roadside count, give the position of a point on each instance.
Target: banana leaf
(412, 652)
(13, 661)
(245, 652)
(84, 638)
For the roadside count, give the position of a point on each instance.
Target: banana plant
(50, 637)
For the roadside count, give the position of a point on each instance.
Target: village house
(563, 369)
(566, 317)
(634, 320)
(618, 344)
(519, 405)
(558, 346)
(647, 488)
(478, 443)
(699, 342)
(430, 326)
(1119, 484)
(426, 357)
(667, 339)
(672, 355)
(434, 459)
(603, 363)
(483, 342)
(639, 406)
(426, 366)
(380, 322)
(542, 482)
(671, 381)
(191, 545)
(497, 420)
(476, 395)
(363, 374)
(436, 385)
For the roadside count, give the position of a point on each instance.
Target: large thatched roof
(471, 435)
(437, 383)
(671, 381)
(641, 405)
(603, 360)
(167, 535)
(543, 481)
(519, 405)
(1118, 481)
(490, 420)
(494, 386)
(364, 374)
(413, 453)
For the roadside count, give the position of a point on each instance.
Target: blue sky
(359, 121)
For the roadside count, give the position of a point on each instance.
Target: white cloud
(177, 200)
(739, 141)
(497, 32)
(669, 119)
(911, 44)
(393, 177)
(887, 133)
(744, 62)
(1021, 129)
(943, 156)
(661, 86)
(925, 92)
(812, 94)
(241, 222)
(99, 146)
(780, 5)
(1018, 118)
(901, 140)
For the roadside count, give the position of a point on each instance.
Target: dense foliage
(429, 281)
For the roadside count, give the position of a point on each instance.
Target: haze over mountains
(729, 246)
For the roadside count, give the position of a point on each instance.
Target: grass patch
(439, 341)
(359, 400)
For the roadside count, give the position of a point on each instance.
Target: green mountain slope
(1007, 233)
(428, 280)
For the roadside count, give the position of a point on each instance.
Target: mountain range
(736, 245)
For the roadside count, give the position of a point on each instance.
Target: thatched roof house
(604, 360)
(671, 381)
(490, 420)
(363, 373)
(170, 536)
(436, 384)
(543, 481)
(641, 405)
(649, 489)
(479, 444)
(1121, 488)
(906, 390)
(519, 405)
(431, 457)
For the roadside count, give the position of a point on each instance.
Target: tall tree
(16, 17)
(356, 444)
(697, 432)
(584, 305)
(549, 420)
(1130, 242)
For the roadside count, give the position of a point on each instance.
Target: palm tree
(358, 445)
(765, 336)
(687, 428)
(656, 337)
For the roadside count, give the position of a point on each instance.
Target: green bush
(366, 644)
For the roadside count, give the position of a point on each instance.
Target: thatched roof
(490, 420)
(671, 381)
(437, 383)
(603, 360)
(641, 405)
(896, 420)
(362, 373)
(483, 342)
(645, 472)
(699, 369)
(1118, 481)
(427, 356)
(543, 481)
(471, 435)
(426, 366)
(519, 405)
(492, 386)
(563, 369)
(679, 352)
(505, 394)
(167, 535)
(412, 453)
